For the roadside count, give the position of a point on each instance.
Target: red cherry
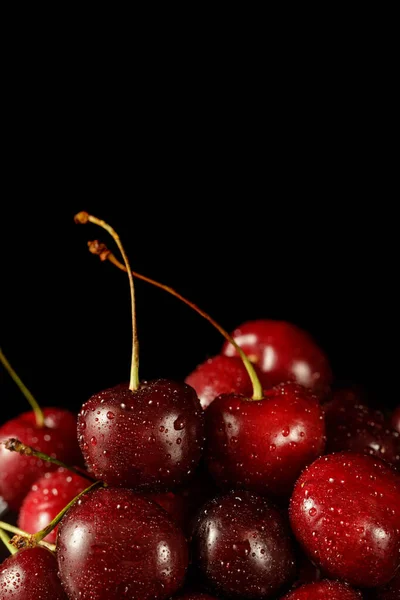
(345, 512)
(220, 375)
(395, 421)
(391, 591)
(323, 590)
(352, 425)
(264, 445)
(30, 574)
(242, 546)
(115, 544)
(47, 498)
(57, 438)
(151, 438)
(283, 352)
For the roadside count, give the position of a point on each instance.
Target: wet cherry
(242, 546)
(283, 352)
(324, 590)
(345, 513)
(30, 574)
(114, 544)
(264, 445)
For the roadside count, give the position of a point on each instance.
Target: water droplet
(179, 424)
(110, 415)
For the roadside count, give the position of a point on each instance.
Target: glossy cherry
(352, 425)
(283, 352)
(345, 513)
(47, 498)
(264, 445)
(56, 438)
(220, 375)
(395, 420)
(30, 574)
(391, 591)
(242, 546)
(150, 438)
(324, 590)
(114, 544)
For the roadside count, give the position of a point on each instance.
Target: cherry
(31, 573)
(114, 544)
(57, 437)
(264, 445)
(242, 546)
(324, 590)
(345, 513)
(47, 498)
(283, 352)
(395, 421)
(391, 591)
(219, 375)
(352, 425)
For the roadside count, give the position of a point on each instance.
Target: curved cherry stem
(7, 541)
(14, 445)
(102, 251)
(84, 217)
(39, 416)
(19, 532)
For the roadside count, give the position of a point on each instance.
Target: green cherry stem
(19, 532)
(102, 251)
(14, 445)
(32, 401)
(7, 542)
(84, 217)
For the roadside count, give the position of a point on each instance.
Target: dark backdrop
(296, 245)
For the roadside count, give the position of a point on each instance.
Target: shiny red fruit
(345, 513)
(352, 425)
(57, 439)
(391, 591)
(242, 546)
(264, 445)
(283, 352)
(395, 421)
(47, 497)
(150, 439)
(114, 544)
(220, 375)
(324, 590)
(30, 574)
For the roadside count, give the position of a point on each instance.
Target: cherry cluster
(255, 478)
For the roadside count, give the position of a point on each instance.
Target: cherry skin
(57, 438)
(150, 439)
(395, 421)
(220, 375)
(30, 574)
(174, 504)
(352, 425)
(115, 544)
(345, 513)
(283, 352)
(263, 445)
(47, 498)
(242, 546)
(391, 591)
(324, 590)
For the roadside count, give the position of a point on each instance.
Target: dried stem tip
(81, 217)
(99, 249)
(20, 541)
(15, 445)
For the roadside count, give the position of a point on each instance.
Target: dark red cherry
(151, 438)
(47, 498)
(391, 591)
(395, 421)
(263, 445)
(345, 513)
(283, 352)
(352, 425)
(57, 439)
(324, 590)
(220, 375)
(30, 574)
(114, 544)
(242, 546)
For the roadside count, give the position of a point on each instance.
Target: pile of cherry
(255, 478)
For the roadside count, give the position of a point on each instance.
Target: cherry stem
(17, 531)
(32, 401)
(14, 445)
(84, 217)
(7, 542)
(102, 251)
